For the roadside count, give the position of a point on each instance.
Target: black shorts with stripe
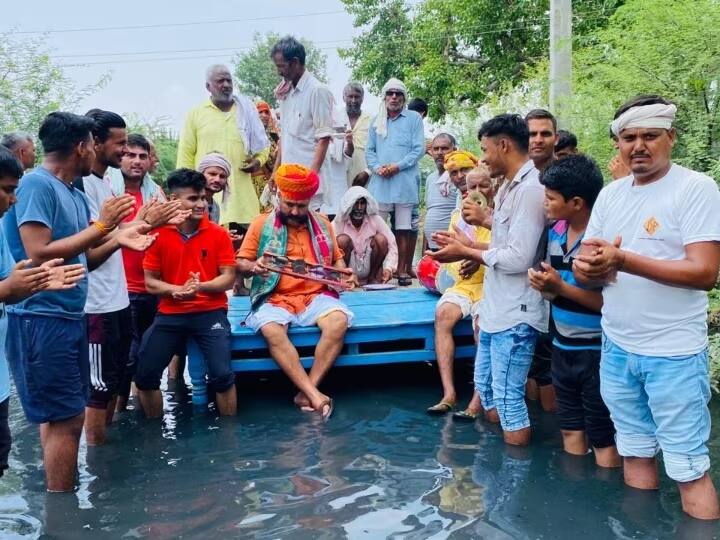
(109, 336)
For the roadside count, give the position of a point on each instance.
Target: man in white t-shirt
(108, 303)
(653, 242)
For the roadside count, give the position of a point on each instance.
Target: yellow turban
(296, 182)
(460, 159)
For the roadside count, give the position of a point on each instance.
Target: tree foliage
(674, 53)
(33, 84)
(255, 72)
(456, 51)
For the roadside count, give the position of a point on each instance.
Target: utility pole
(561, 60)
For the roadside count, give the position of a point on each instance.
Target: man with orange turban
(295, 231)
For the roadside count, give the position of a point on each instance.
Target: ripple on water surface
(380, 468)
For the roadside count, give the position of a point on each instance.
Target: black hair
(447, 136)
(541, 114)
(104, 122)
(61, 132)
(419, 105)
(566, 139)
(639, 101)
(576, 175)
(135, 139)
(290, 48)
(510, 125)
(9, 164)
(186, 178)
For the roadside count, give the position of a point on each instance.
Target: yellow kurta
(208, 129)
(360, 138)
(471, 287)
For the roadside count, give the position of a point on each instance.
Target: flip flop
(404, 281)
(440, 408)
(331, 407)
(465, 416)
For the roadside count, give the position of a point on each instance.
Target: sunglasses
(393, 93)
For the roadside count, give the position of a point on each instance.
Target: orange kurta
(292, 294)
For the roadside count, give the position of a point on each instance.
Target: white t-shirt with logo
(107, 288)
(657, 220)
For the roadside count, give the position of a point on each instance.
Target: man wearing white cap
(395, 146)
(653, 243)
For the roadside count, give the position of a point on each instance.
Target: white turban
(657, 115)
(214, 159)
(381, 118)
(353, 195)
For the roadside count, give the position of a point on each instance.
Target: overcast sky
(156, 86)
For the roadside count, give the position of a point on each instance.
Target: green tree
(256, 74)
(674, 53)
(456, 52)
(33, 84)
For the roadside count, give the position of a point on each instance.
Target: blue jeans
(502, 363)
(659, 403)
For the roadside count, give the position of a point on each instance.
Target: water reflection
(380, 468)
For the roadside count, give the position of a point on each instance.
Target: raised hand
(62, 277)
(453, 246)
(250, 165)
(170, 212)
(475, 214)
(115, 209)
(135, 237)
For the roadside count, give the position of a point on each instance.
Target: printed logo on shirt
(651, 226)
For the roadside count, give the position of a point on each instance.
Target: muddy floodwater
(380, 468)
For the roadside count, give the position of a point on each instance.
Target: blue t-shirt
(572, 326)
(6, 265)
(43, 198)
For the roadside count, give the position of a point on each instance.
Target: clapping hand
(546, 281)
(62, 277)
(189, 288)
(135, 237)
(115, 209)
(603, 262)
(453, 246)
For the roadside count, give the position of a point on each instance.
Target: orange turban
(296, 182)
(460, 159)
(262, 106)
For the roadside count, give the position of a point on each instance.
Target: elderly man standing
(357, 136)
(306, 116)
(295, 231)
(440, 192)
(22, 145)
(653, 243)
(228, 124)
(395, 145)
(367, 241)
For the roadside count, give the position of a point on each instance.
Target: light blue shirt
(43, 198)
(6, 265)
(404, 146)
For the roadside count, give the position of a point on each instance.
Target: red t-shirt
(133, 260)
(175, 256)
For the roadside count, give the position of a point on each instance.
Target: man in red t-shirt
(190, 268)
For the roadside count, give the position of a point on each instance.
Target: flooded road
(380, 468)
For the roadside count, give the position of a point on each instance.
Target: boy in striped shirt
(571, 187)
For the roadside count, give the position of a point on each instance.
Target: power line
(435, 37)
(169, 25)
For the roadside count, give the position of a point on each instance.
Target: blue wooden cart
(389, 327)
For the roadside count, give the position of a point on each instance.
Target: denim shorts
(48, 357)
(659, 403)
(501, 368)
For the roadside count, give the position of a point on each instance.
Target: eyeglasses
(393, 93)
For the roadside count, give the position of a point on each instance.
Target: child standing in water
(571, 187)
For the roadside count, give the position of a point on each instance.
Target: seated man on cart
(294, 293)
